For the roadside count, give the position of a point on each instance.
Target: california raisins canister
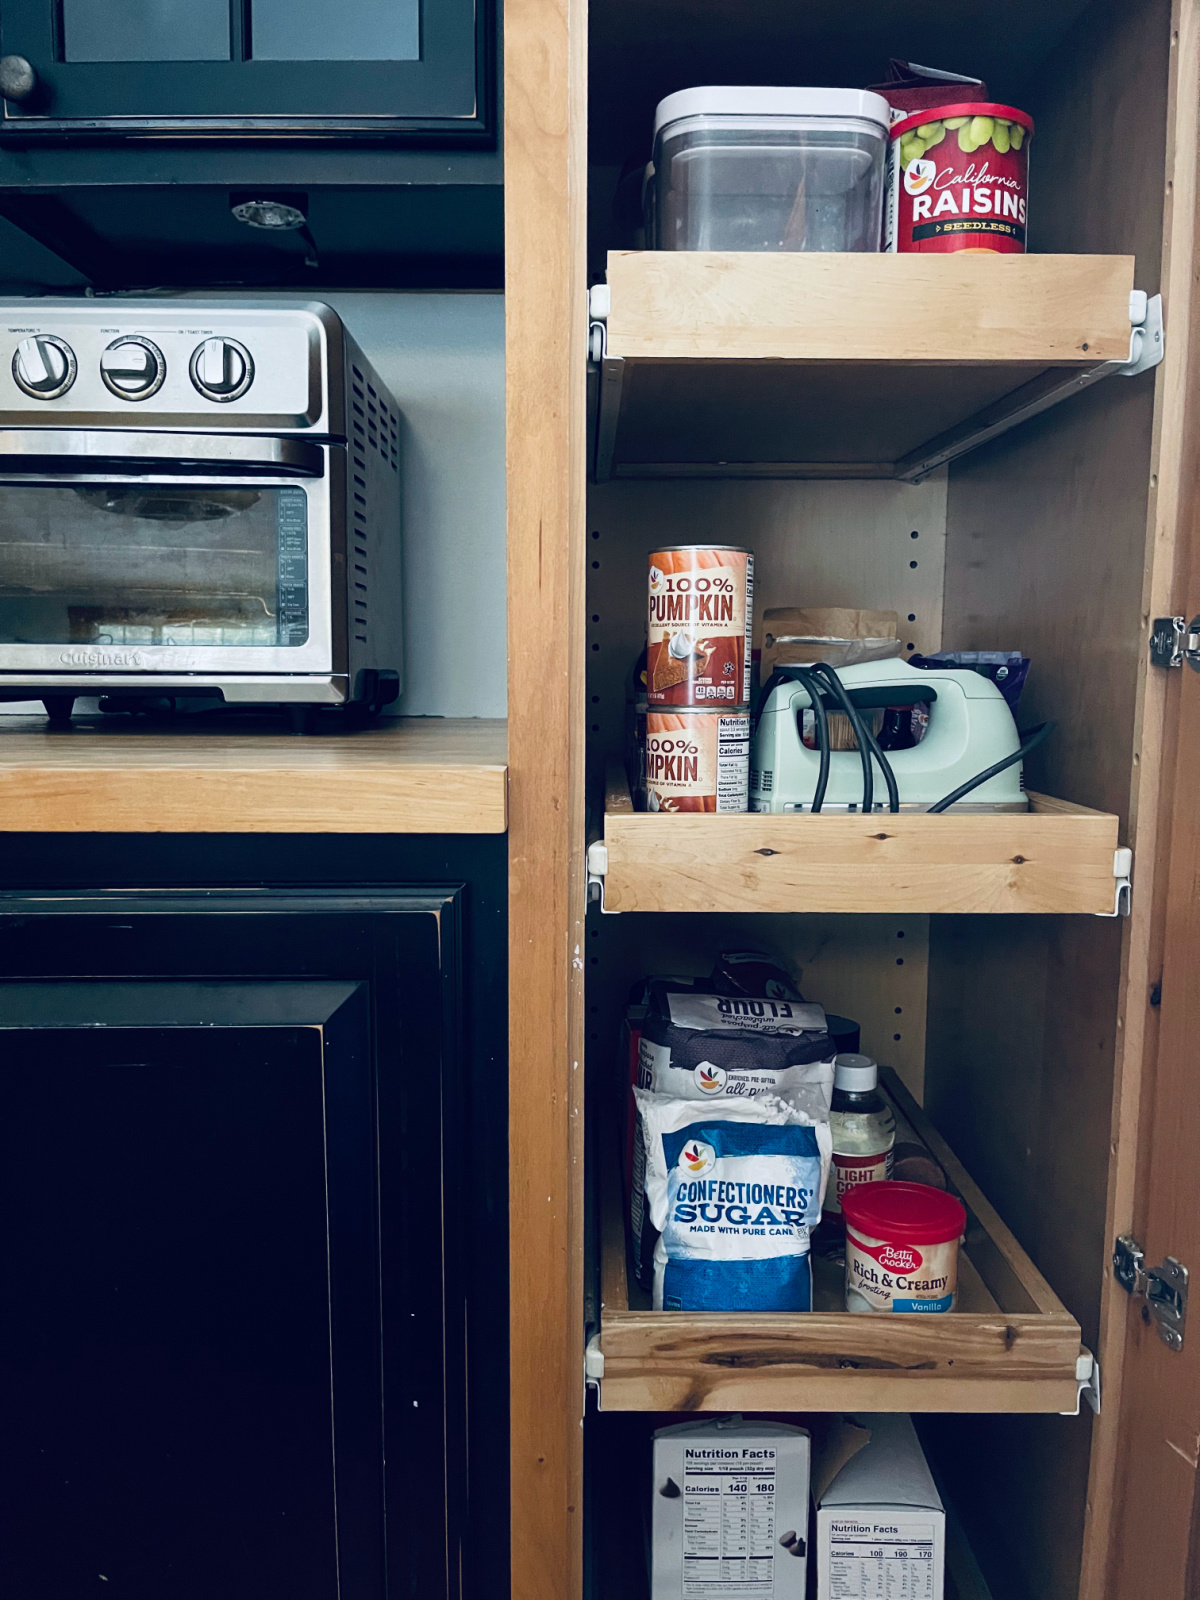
(958, 179)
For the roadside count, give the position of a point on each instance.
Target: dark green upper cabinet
(317, 67)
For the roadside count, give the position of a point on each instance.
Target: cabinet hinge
(1172, 642)
(1164, 1289)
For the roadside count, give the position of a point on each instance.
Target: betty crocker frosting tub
(958, 179)
(901, 1247)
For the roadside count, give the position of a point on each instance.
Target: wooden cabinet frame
(545, 97)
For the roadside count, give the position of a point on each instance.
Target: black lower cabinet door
(189, 1311)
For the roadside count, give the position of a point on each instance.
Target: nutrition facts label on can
(733, 762)
(729, 1529)
(873, 1565)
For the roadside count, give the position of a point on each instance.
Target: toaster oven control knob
(44, 367)
(133, 368)
(222, 369)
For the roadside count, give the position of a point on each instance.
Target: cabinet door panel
(146, 30)
(166, 1398)
(387, 66)
(331, 30)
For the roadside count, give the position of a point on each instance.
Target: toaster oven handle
(57, 451)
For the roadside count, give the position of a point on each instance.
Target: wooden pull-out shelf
(1056, 857)
(795, 365)
(1010, 1346)
(403, 775)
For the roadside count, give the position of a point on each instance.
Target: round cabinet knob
(18, 80)
(222, 369)
(43, 367)
(133, 368)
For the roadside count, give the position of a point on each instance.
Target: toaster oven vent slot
(374, 430)
(359, 508)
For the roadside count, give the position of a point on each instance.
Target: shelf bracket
(597, 871)
(1146, 344)
(609, 371)
(599, 302)
(1087, 1377)
(1123, 873)
(593, 1365)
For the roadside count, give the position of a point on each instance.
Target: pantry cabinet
(1003, 452)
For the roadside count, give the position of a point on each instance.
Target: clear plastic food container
(767, 169)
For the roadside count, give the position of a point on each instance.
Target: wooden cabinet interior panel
(871, 968)
(402, 775)
(877, 545)
(822, 420)
(641, 51)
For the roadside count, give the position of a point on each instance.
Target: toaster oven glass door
(165, 574)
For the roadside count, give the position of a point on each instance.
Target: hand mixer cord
(864, 735)
(827, 675)
(812, 687)
(1030, 739)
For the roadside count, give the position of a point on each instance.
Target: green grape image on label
(974, 133)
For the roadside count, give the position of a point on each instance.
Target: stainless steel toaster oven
(196, 498)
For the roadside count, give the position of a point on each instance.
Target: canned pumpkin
(697, 760)
(701, 605)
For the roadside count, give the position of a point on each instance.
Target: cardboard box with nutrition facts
(881, 1529)
(730, 1519)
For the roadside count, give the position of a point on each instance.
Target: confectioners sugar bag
(734, 1187)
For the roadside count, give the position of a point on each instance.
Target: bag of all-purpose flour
(733, 1187)
(701, 1046)
(727, 1044)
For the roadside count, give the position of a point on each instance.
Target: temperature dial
(44, 367)
(133, 368)
(222, 369)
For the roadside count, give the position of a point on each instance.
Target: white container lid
(854, 1073)
(758, 102)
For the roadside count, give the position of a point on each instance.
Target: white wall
(442, 356)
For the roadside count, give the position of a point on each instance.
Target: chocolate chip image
(792, 1543)
(670, 1490)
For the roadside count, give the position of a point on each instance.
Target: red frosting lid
(908, 1213)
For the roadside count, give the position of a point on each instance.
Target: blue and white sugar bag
(734, 1187)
